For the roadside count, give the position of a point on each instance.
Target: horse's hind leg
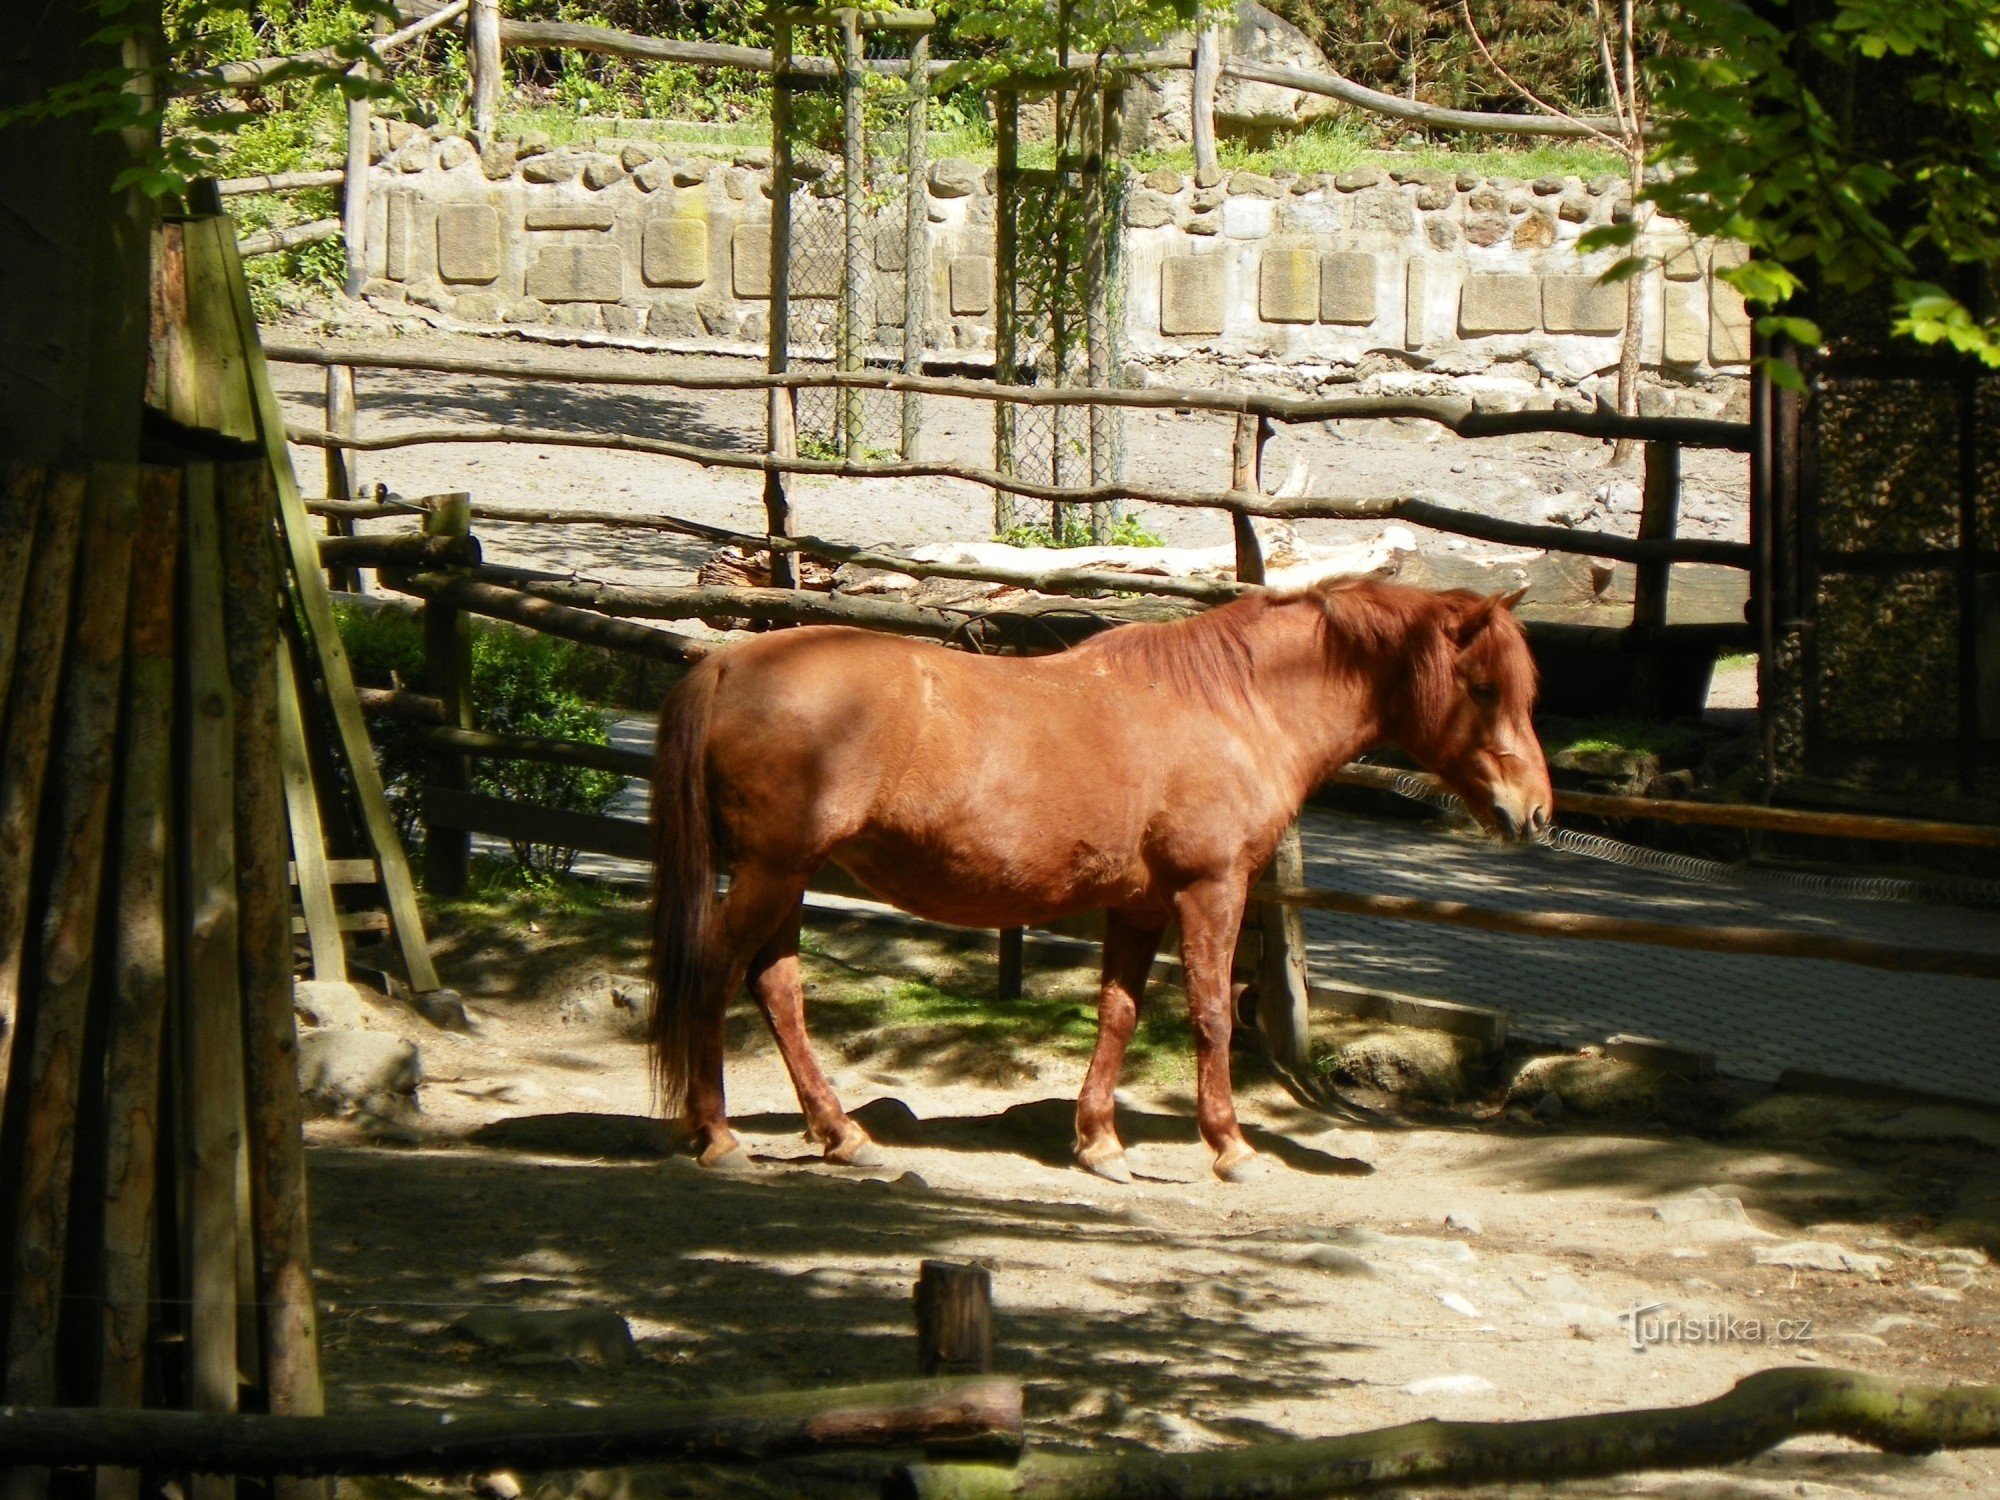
(1210, 916)
(1128, 958)
(780, 994)
(759, 900)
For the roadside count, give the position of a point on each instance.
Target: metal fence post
(916, 240)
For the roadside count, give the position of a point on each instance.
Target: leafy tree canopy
(1832, 187)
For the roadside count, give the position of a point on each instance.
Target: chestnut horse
(1150, 772)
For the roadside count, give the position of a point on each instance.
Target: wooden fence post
(1207, 73)
(916, 240)
(482, 62)
(448, 678)
(1013, 947)
(781, 438)
(954, 1319)
(1007, 273)
(342, 482)
(1659, 517)
(853, 254)
(1246, 467)
(1282, 996)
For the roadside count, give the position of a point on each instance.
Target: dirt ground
(1446, 1264)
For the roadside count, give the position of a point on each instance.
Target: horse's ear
(1508, 601)
(1479, 612)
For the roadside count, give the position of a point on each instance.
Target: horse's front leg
(1210, 915)
(780, 993)
(1128, 958)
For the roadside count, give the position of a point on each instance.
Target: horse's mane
(1210, 657)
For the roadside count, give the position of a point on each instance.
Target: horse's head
(1481, 739)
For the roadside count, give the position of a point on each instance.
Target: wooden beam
(975, 1416)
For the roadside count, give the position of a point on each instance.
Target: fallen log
(271, 241)
(981, 1415)
(1758, 1413)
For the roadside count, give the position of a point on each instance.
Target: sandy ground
(1532, 478)
(1458, 1269)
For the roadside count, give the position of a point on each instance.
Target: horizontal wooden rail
(271, 241)
(1333, 86)
(1461, 416)
(1050, 581)
(575, 36)
(502, 817)
(1236, 502)
(282, 182)
(499, 602)
(1762, 942)
(978, 1414)
(397, 550)
(488, 745)
(401, 703)
(1725, 814)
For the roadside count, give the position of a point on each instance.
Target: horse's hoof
(864, 1153)
(1112, 1168)
(732, 1158)
(1249, 1167)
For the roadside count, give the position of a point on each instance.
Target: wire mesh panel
(846, 136)
(1058, 324)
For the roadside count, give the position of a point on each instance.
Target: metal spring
(1949, 891)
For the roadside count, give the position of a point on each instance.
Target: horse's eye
(1485, 694)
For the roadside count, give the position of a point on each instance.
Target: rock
(954, 179)
(586, 1335)
(1332, 1258)
(1594, 1086)
(1457, 1303)
(1432, 196)
(1157, 110)
(690, 173)
(1574, 209)
(366, 1072)
(333, 1004)
(650, 176)
(1548, 1108)
(444, 1009)
(1164, 180)
(499, 1485)
(497, 159)
(602, 172)
(1699, 1206)
(1098, 1404)
(910, 1182)
(1485, 229)
(1146, 209)
(1547, 187)
(532, 143)
(1254, 185)
(1356, 178)
(636, 155)
(1437, 1066)
(550, 169)
(1535, 232)
(1465, 1221)
(1820, 1255)
(453, 153)
(1449, 1385)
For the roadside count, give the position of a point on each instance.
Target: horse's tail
(684, 876)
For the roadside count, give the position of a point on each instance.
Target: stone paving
(1758, 1016)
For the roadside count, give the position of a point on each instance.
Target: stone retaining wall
(1409, 281)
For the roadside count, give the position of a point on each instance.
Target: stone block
(1685, 323)
(892, 249)
(624, 319)
(576, 273)
(1485, 229)
(497, 160)
(1314, 215)
(673, 320)
(468, 243)
(750, 260)
(674, 252)
(1582, 304)
(1416, 302)
(1682, 261)
(971, 285)
(569, 216)
(1288, 285)
(1347, 287)
(1386, 209)
(1192, 293)
(1146, 209)
(399, 215)
(1497, 302)
(1728, 323)
(1441, 231)
(1248, 218)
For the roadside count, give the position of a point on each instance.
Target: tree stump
(954, 1319)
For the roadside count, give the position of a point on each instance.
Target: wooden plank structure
(152, 1184)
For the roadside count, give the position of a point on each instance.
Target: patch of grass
(1735, 661)
(1620, 736)
(1127, 531)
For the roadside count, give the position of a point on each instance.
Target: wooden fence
(439, 564)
